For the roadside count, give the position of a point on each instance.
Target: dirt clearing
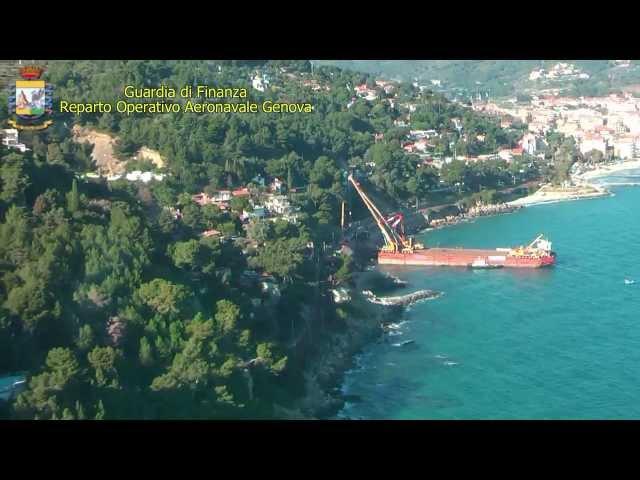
(103, 155)
(103, 151)
(154, 156)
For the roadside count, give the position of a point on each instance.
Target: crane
(392, 227)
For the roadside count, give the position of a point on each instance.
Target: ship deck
(466, 251)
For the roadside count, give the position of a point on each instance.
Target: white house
(277, 204)
(505, 154)
(144, 177)
(371, 95)
(529, 143)
(593, 142)
(259, 82)
(219, 196)
(258, 212)
(625, 147)
(276, 185)
(10, 140)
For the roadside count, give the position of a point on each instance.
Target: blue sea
(557, 343)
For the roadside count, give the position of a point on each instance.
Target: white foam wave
(621, 184)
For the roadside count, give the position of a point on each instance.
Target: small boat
(629, 282)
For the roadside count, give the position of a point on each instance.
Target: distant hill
(499, 78)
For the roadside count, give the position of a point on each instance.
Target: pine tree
(80, 415)
(73, 198)
(100, 413)
(146, 354)
(85, 339)
(67, 415)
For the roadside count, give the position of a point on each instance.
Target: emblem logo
(30, 101)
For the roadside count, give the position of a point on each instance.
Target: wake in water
(447, 362)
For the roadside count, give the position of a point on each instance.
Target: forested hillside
(498, 78)
(117, 307)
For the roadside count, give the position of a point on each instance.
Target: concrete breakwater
(550, 193)
(401, 300)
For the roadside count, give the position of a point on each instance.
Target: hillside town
(609, 125)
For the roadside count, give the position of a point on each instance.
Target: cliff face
(335, 354)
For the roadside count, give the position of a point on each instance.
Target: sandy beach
(550, 193)
(606, 170)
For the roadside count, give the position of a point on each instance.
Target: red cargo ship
(468, 257)
(401, 250)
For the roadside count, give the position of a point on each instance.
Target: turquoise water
(559, 343)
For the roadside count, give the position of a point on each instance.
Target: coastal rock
(402, 300)
(335, 354)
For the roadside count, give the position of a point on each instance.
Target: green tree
(343, 274)
(14, 179)
(281, 257)
(145, 354)
(100, 411)
(226, 317)
(103, 360)
(86, 338)
(185, 254)
(238, 204)
(163, 296)
(80, 414)
(73, 198)
(63, 365)
(258, 230)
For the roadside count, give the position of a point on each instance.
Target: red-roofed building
(241, 192)
(210, 233)
(217, 197)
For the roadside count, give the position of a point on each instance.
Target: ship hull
(464, 257)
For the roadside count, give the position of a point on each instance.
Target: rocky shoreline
(479, 210)
(324, 377)
(325, 374)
